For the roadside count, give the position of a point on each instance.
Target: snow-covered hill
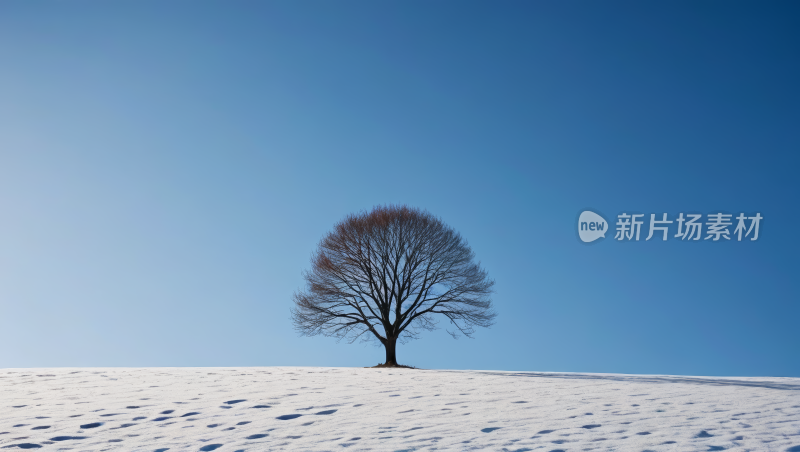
(297, 409)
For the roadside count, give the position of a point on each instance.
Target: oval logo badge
(591, 226)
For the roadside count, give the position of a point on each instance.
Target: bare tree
(387, 274)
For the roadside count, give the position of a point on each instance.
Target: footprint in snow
(590, 426)
(123, 426)
(257, 436)
(490, 429)
(704, 434)
(25, 446)
(92, 425)
(326, 412)
(210, 447)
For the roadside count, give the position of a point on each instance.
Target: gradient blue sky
(167, 168)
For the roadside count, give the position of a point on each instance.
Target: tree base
(390, 365)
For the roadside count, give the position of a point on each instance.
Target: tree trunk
(391, 348)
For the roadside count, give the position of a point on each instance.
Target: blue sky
(167, 169)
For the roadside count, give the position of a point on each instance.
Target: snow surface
(307, 408)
